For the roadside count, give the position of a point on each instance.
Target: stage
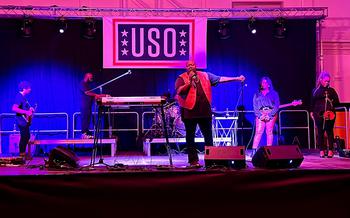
(146, 187)
(137, 162)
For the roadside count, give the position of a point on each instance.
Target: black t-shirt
(23, 104)
(86, 100)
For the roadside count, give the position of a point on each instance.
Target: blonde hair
(322, 76)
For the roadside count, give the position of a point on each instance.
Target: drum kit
(174, 124)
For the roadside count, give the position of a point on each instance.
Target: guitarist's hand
(32, 109)
(264, 117)
(29, 113)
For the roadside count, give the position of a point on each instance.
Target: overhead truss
(232, 13)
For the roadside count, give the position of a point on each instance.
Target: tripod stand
(166, 135)
(97, 137)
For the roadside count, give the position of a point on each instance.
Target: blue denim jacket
(270, 100)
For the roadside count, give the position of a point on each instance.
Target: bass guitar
(265, 111)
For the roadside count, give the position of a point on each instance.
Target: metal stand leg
(96, 138)
(166, 136)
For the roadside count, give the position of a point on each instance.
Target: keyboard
(132, 101)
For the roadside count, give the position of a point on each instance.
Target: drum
(178, 125)
(157, 129)
(157, 118)
(175, 126)
(173, 112)
(178, 128)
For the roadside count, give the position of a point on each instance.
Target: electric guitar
(265, 111)
(28, 119)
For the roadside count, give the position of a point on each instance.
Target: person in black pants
(87, 99)
(24, 113)
(323, 100)
(193, 93)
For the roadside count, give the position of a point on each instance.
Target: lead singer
(193, 93)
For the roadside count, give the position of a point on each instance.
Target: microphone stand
(325, 108)
(118, 77)
(240, 97)
(97, 127)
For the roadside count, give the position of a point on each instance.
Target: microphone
(129, 72)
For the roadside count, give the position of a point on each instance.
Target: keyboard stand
(165, 129)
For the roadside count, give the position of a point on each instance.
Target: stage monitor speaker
(227, 156)
(283, 156)
(63, 158)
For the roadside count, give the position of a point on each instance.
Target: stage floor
(136, 162)
(147, 187)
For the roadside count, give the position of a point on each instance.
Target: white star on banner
(124, 42)
(182, 33)
(125, 33)
(124, 52)
(182, 52)
(182, 42)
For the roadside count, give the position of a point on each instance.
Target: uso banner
(154, 42)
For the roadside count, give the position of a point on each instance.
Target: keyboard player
(87, 100)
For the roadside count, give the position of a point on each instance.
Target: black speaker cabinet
(63, 158)
(283, 156)
(227, 156)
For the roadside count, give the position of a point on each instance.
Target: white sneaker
(86, 136)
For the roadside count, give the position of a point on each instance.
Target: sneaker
(330, 154)
(86, 136)
(322, 154)
(194, 164)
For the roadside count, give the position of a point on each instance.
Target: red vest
(188, 101)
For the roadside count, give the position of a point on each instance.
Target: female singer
(266, 103)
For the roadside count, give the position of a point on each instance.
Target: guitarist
(24, 112)
(266, 104)
(323, 100)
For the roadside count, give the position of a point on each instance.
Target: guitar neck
(285, 105)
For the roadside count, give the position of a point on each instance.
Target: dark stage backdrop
(55, 63)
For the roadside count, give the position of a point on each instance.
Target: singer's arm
(229, 79)
(95, 95)
(181, 87)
